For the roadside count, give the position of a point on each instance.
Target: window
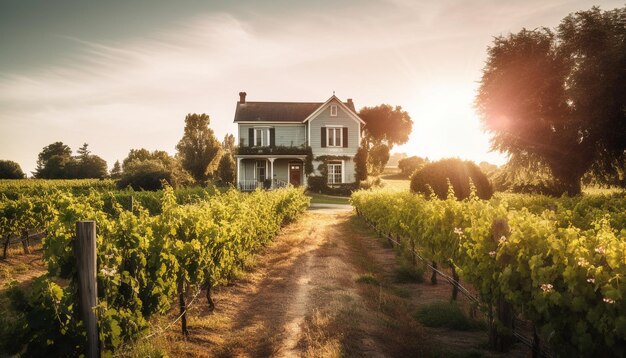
(334, 137)
(334, 172)
(333, 110)
(260, 170)
(260, 137)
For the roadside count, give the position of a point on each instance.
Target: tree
(91, 166)
(226, 169)
(83, 152)
(143, 169)
(10, 170)
(384, 127)
(228, 144)
(360, 163)
(199, 150)
(116, 171)
(377, 158)
(409, 165)
(557, 97)
(386, 124)
(52, 160)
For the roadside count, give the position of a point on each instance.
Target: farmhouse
(283, 143)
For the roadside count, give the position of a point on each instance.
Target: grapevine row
(565, 279)
(145, 262)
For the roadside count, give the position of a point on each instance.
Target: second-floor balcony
(274, 150)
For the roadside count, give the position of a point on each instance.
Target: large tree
(52, 160)
(558, 97)
(228, 144)
(384, 127)
(199, 149)
(10, 170)
(143, 169)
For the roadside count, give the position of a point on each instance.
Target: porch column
(272, 171)
(238, 172)
(304, 176)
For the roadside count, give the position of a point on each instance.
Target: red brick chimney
(242, 97)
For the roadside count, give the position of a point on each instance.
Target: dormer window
(333, 110)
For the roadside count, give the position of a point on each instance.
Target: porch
(270, 171)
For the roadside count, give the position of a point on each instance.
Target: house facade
(282, 143)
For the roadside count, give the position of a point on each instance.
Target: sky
(120, 75)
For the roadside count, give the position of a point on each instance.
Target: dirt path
(324, 288)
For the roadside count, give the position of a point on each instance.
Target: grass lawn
(328, 199)
(395, 182)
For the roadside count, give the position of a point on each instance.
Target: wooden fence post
(85, 253)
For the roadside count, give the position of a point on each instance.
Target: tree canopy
(56, 162)
(386, 124)
(384, 127)
(143, 169)
(559, 97)
(52, 160)
(10, 170)
(199, 149)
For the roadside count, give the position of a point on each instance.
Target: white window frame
(332, 172)
(334, 131)
(265, 136)
(333, 110)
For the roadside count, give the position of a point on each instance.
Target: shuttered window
(334, 137)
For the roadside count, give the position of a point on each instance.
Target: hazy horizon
(120, 75)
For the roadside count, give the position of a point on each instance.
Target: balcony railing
(251, 185)
(277, 150)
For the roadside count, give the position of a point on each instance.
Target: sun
(445, 124)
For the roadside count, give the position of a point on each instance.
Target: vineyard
(558, 263)
(148, 258)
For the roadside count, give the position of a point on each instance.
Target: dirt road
(323, 288)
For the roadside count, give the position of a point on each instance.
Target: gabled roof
(279, 111)
(349, 109)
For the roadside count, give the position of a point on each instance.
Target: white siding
(290, 135)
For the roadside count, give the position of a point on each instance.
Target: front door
(295, 174)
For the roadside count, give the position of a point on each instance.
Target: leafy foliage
(556, 97)
(377, 158)
(437, 177)
(409, 165)
(141, 259)
(199, 149)
(360, 163)
(560, 263)
(146, 170)
(10, 170)
(56, 162)
(386, 124)
(226, 169)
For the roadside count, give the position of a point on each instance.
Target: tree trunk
(7, 240)
(504, 338)
(455, 286)
(183, 307)
(209, 300)
(433, 278)
(25, 241)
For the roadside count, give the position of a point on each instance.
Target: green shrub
(445, 314)
(437, 176)
(368, 279)
(408, 273)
